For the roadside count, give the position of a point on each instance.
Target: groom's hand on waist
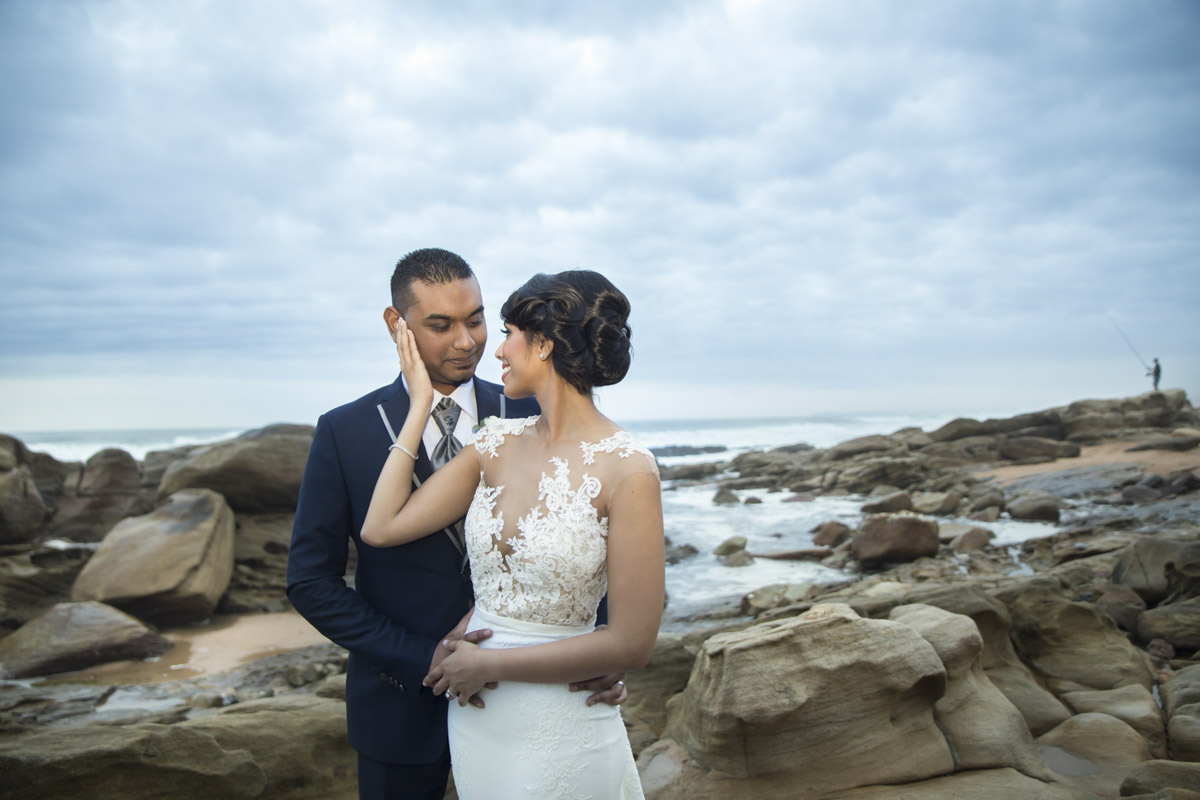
(608, 689)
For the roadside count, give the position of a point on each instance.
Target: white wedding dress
(539, 566)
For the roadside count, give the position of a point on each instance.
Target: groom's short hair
(429, 265)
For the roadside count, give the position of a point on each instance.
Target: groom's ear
(391, 318)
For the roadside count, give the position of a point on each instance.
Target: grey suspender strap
(416, 481)
(502, 400)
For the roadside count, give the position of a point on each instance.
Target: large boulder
(892, 538)
(1100, 750)
(937, 504)
(983, 728)
(170, 566)
(790, 706)
(1016, 448)
(298, 741)
(258, 471)
(1177, 623)
(863, 444)
(963, 427)
(1155, 776)
(22, 510)
(1133, 705)
(665, 676)
(49, 474)
(259, 580)
(1143, 565)
(72, 636)
(1003, 667)
(858, 477)
(895, 501)
(1034, 505)
(36, 578)
(133, 762)
(105, 492)
(1074, 645)
(1091, 419)
(1181, 704)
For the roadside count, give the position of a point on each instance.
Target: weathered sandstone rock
(1177, 623)
(983, 728)
(35, 579)
(1181, 702)
(126, 762)
(170, 566)
(830, 534)
(1143, 566)
(22, 510)
(1154, 776)
(1133, 705)
(71, 636)
(1023, 447)
(897, 501)
(863, 444)
(1075, 645)
(298, 741)
(255, 472)
(936, 503)
(889, 538)
(801, 698)
(731, 545)
(1033, 505)
(107, 491)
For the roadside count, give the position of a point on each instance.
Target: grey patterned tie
(445, 414)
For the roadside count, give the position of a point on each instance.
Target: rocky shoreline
(945, 667)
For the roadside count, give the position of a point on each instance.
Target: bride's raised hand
(416, 378)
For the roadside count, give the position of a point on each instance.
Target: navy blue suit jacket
(404, 598)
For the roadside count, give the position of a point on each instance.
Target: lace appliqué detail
(621, 440)
(553, 570)
(491, 435)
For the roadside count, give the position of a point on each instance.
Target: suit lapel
(487, 401)
(395, 410)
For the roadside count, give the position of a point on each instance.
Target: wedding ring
(620, 683)
(449, 695)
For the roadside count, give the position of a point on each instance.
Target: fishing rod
(1126, 338)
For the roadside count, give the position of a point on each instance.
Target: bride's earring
(542, 356)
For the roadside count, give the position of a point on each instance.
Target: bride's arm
(635, 602)
(393, 517)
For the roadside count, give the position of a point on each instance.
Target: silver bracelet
(403, 449)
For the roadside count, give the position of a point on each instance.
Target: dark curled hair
(431, 265)
(585, 317)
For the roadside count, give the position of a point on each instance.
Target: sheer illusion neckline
(549, 563)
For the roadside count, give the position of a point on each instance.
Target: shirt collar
(463, 394)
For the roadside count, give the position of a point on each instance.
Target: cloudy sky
(926, 208)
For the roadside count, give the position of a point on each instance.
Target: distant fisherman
(1156, 372)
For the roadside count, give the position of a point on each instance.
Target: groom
(405, 599)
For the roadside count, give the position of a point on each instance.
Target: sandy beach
(224, 643)
(1160, 462)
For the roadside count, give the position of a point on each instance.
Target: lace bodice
(539, 553)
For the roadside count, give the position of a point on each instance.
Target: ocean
(689, 515)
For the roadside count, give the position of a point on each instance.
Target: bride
(560, 509)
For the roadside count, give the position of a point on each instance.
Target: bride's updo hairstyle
(586, 318)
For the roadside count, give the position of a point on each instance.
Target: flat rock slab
(72, 636)
(1175, 443)
(1080, 481)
